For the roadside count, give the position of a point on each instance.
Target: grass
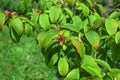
(22, 60)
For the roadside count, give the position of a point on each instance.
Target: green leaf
(44, 21)
(28, 29)
(54, 13)
(68, 11)
(25, 4)
(78, 44)
(24, 19)
(117, 37)
(35, 17)
(66, 33)
(2, 20)
(85, 9)
(98, 22)
(111, 26)
(114, 15)
(93, 38)
(88, 64)
(116, 52)
(71, 27)
(73, 75)
(89, 2)
(101, 8)
(53, 60)
(85, 25)
(44, 38)
(17, 25)
(62, 19)
(103, 64)
(14, 35)
(77, 21)
(63, 66)
(92, 18)
(114, 74)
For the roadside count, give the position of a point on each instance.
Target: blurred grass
(22, 60)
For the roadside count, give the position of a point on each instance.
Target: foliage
(73, 36)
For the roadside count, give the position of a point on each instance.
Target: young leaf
(74, 74)
(53, 60)
(93, 38)
(117, 37)
(78, 44)
(44, 21)
(28, 29)
(111, 26)
(63, 66)
(54, 13)
(88, 64)
(2, 20)
(103, 64)
(17, 25)
(85, 9)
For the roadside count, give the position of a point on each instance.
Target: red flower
(9, 13)
(60, 39)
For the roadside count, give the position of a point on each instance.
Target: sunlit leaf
(28, 29)
(111, 26)
(85, 9)
(35, 17)
(17, 25)
(114, 74)
(54, 13)
(89, 65)
(53, 60)
(74, 74)
(79, 45)
(63, 66)
(44, 21)
(71, 27)
(93, 38)
(117, 37)
(114, 15)
(77, 21)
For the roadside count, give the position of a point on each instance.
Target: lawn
(22, 60)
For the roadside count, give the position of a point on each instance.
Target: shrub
(74, 36)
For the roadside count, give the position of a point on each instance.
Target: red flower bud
(9, 13)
